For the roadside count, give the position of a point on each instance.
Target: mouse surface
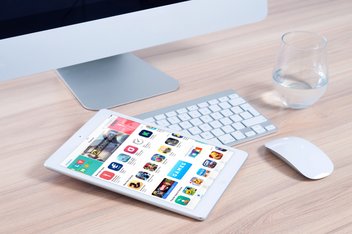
(303, 156)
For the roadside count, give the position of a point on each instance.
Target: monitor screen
(18, 17)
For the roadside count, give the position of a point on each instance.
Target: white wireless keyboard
(224, 118)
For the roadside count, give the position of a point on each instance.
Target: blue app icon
(201, 172)
(123, 157)
(115, 166)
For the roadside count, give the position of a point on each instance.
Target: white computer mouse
(303, 156)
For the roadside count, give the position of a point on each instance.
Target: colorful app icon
(177, 135)
(164, 149)
(115, 166)
(150, 166)
(158, 158)
(209, 163)
(164, 188)
(143, 175)
(203, 172)
(138, 141)
(123, 157)
(131, 149)
(182, 200)
(172, 141)
(145, 133)
(195, 152)
(135, 184)
(196, 181)
(106, 175)
(79, 162)
(216, 155)
(89, 165)
(190, 190)
(221, 149)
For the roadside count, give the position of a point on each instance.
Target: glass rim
(321, 39)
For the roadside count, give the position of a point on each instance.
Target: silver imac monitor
(89, 42)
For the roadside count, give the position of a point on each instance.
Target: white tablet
(148, 163)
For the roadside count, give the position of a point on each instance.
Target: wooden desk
(38, 114)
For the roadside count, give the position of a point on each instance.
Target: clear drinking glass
(301, 75)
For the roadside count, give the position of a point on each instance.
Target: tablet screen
(150, 160)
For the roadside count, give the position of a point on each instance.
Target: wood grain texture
(38, 114)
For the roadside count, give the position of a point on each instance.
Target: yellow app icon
(135, 184)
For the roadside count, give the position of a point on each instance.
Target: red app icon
(79, 162)
(106, 175)
(131, 149)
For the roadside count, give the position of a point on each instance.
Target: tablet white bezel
(200, 212)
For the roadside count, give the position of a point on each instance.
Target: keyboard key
(236, 118)
(226, 113)
(204, 111)
(216, 124)
(186, 125)
(213, 102)
(258, 129)
(174, 120)
(238, 126)
(246, 115)
(225, 105)
(254, 121)
(216, 115)
(194, 114)
(163, 123)
(232, 96)
(171, 113)
(159, 117)
(182, 110)
(203, 104)
(270, 127)
(206, 135)
(236, 109)
(238, 135)
(217, 132)
(206, 119)
(192, 108)
(250, 133)
(196, 122)
(195, 131)
(214, 108)
(205, 127)
(184, 117)
(175, 127)
(223, 99)
(237, 101)
(226, 139)
(226, 121)
(228, 129)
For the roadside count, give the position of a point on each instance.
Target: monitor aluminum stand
(114, 81)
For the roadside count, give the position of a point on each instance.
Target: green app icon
(182, 200)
